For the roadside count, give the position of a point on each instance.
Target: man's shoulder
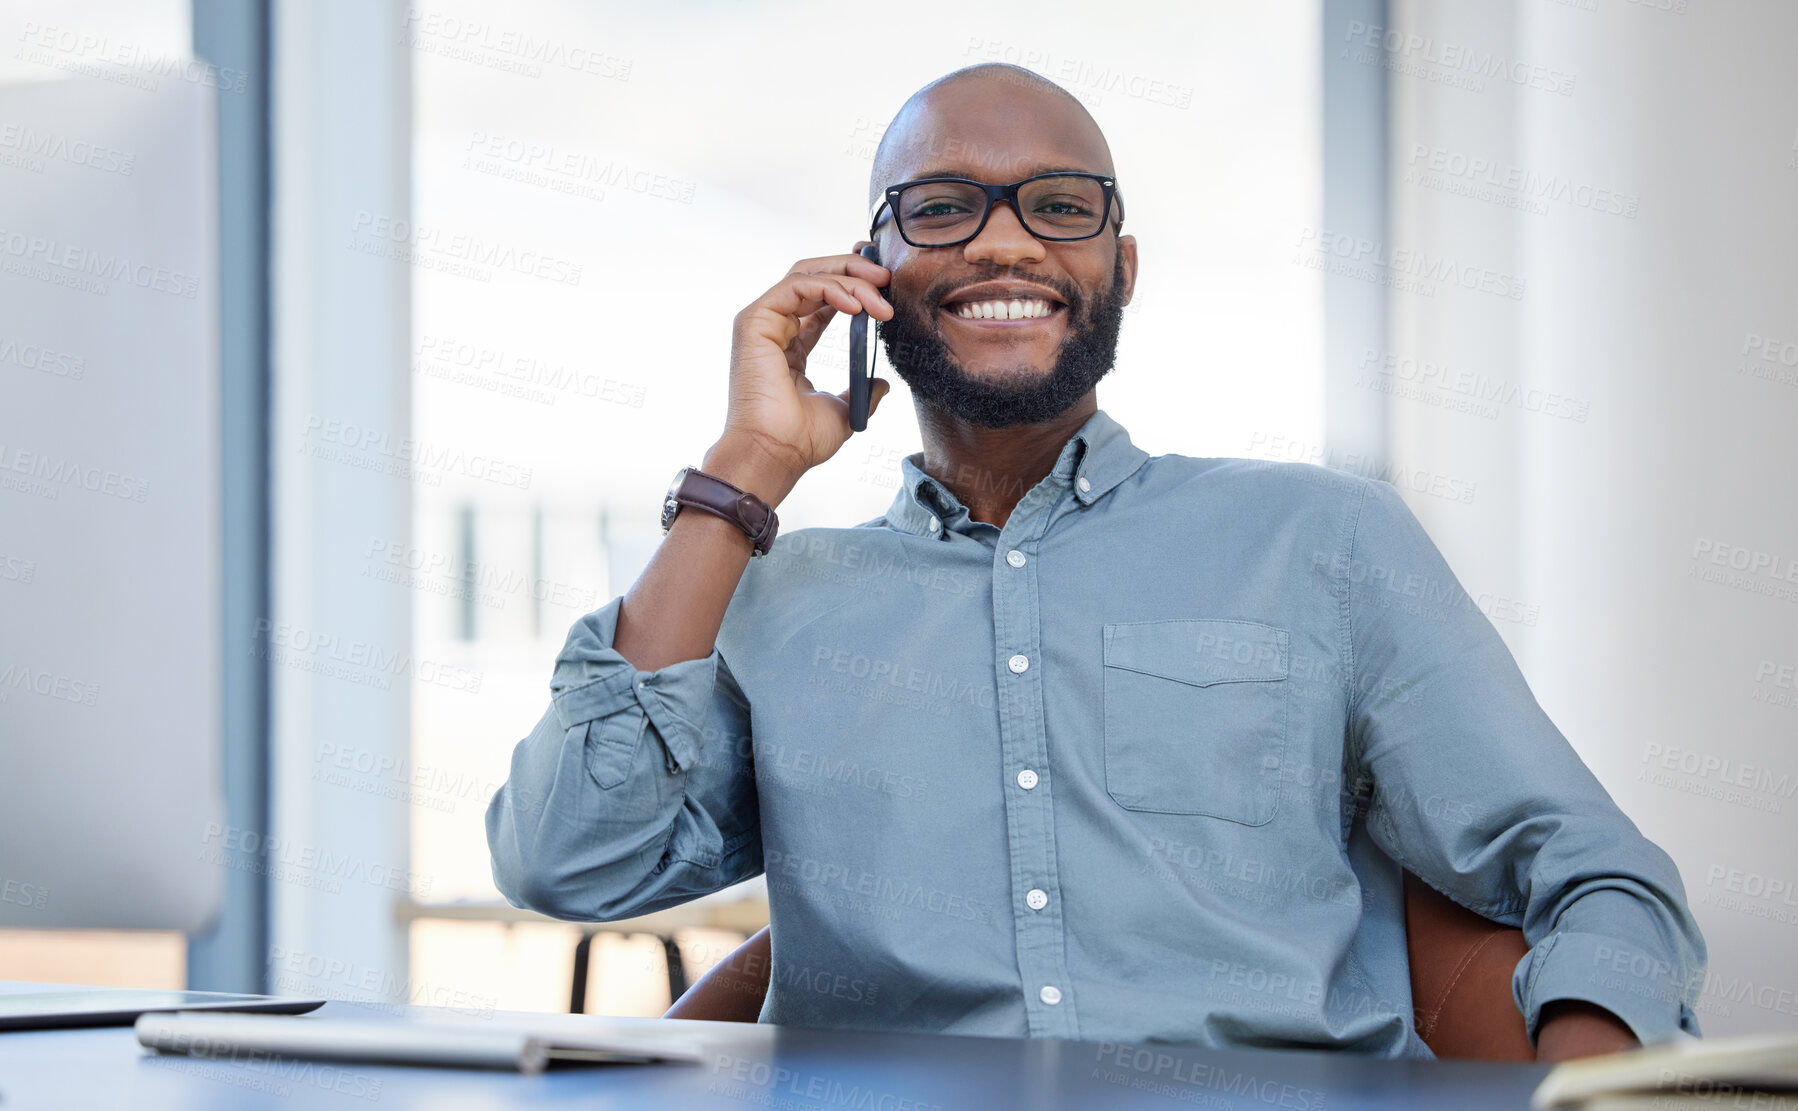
(807, 574)
(1274, 483)
(805, 558)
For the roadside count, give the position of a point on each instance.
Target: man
(1073, 741)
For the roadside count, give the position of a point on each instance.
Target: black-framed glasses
(948, 211)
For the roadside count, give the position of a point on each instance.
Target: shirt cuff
(1642, 987)
(592, 680)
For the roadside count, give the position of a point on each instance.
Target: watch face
(669, 506)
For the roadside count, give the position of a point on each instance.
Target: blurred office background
(347, 347)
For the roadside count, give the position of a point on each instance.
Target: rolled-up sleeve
(1477, 792)
(634, 792)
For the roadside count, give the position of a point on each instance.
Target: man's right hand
(775, 411)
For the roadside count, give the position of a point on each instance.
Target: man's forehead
(997, 170)
(996, 158)
(997, 132)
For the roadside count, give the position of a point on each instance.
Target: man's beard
(1014, 395)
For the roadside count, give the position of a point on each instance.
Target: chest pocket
(1195, 717)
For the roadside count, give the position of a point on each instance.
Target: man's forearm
(1575, 1028)
(674, 610)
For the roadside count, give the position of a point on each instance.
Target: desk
(751, 1066)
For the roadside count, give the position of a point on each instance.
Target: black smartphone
(861, 360)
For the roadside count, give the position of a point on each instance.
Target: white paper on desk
(1750, 1067)
(496, 1045)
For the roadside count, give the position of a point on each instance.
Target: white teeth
(1020, 309)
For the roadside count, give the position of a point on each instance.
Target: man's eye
(938, 208)
(1063, 208)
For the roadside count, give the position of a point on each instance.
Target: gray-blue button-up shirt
(1143, 764)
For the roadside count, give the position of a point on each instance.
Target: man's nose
(1004, 241)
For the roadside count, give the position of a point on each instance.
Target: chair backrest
(1461, 967)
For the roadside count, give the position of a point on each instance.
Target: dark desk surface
(752, 1066)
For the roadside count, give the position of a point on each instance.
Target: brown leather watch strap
(694, 487)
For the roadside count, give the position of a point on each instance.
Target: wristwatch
(692, 486)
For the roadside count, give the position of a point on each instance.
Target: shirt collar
(1097, 457)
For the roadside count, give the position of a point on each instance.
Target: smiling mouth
(1003, 309)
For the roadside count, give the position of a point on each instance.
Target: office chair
(1461, 967)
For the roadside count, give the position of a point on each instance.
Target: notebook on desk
(495, 1044)
(1758, 1071)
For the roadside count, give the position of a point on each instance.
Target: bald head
(991, 122)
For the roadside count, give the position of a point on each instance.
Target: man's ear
(1127, 251)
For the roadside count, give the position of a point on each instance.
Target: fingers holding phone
(772, 401)
(811, 326)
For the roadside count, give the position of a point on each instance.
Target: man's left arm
(1478, 793)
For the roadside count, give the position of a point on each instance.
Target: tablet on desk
(42, 1010)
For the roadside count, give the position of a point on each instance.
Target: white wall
(1644, 188)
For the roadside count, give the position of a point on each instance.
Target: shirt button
(1015, 558)
(1050, 994)
(1037, 899)
(1083, 484)
(935, 524)
(1018, 663)
(1027, 779)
